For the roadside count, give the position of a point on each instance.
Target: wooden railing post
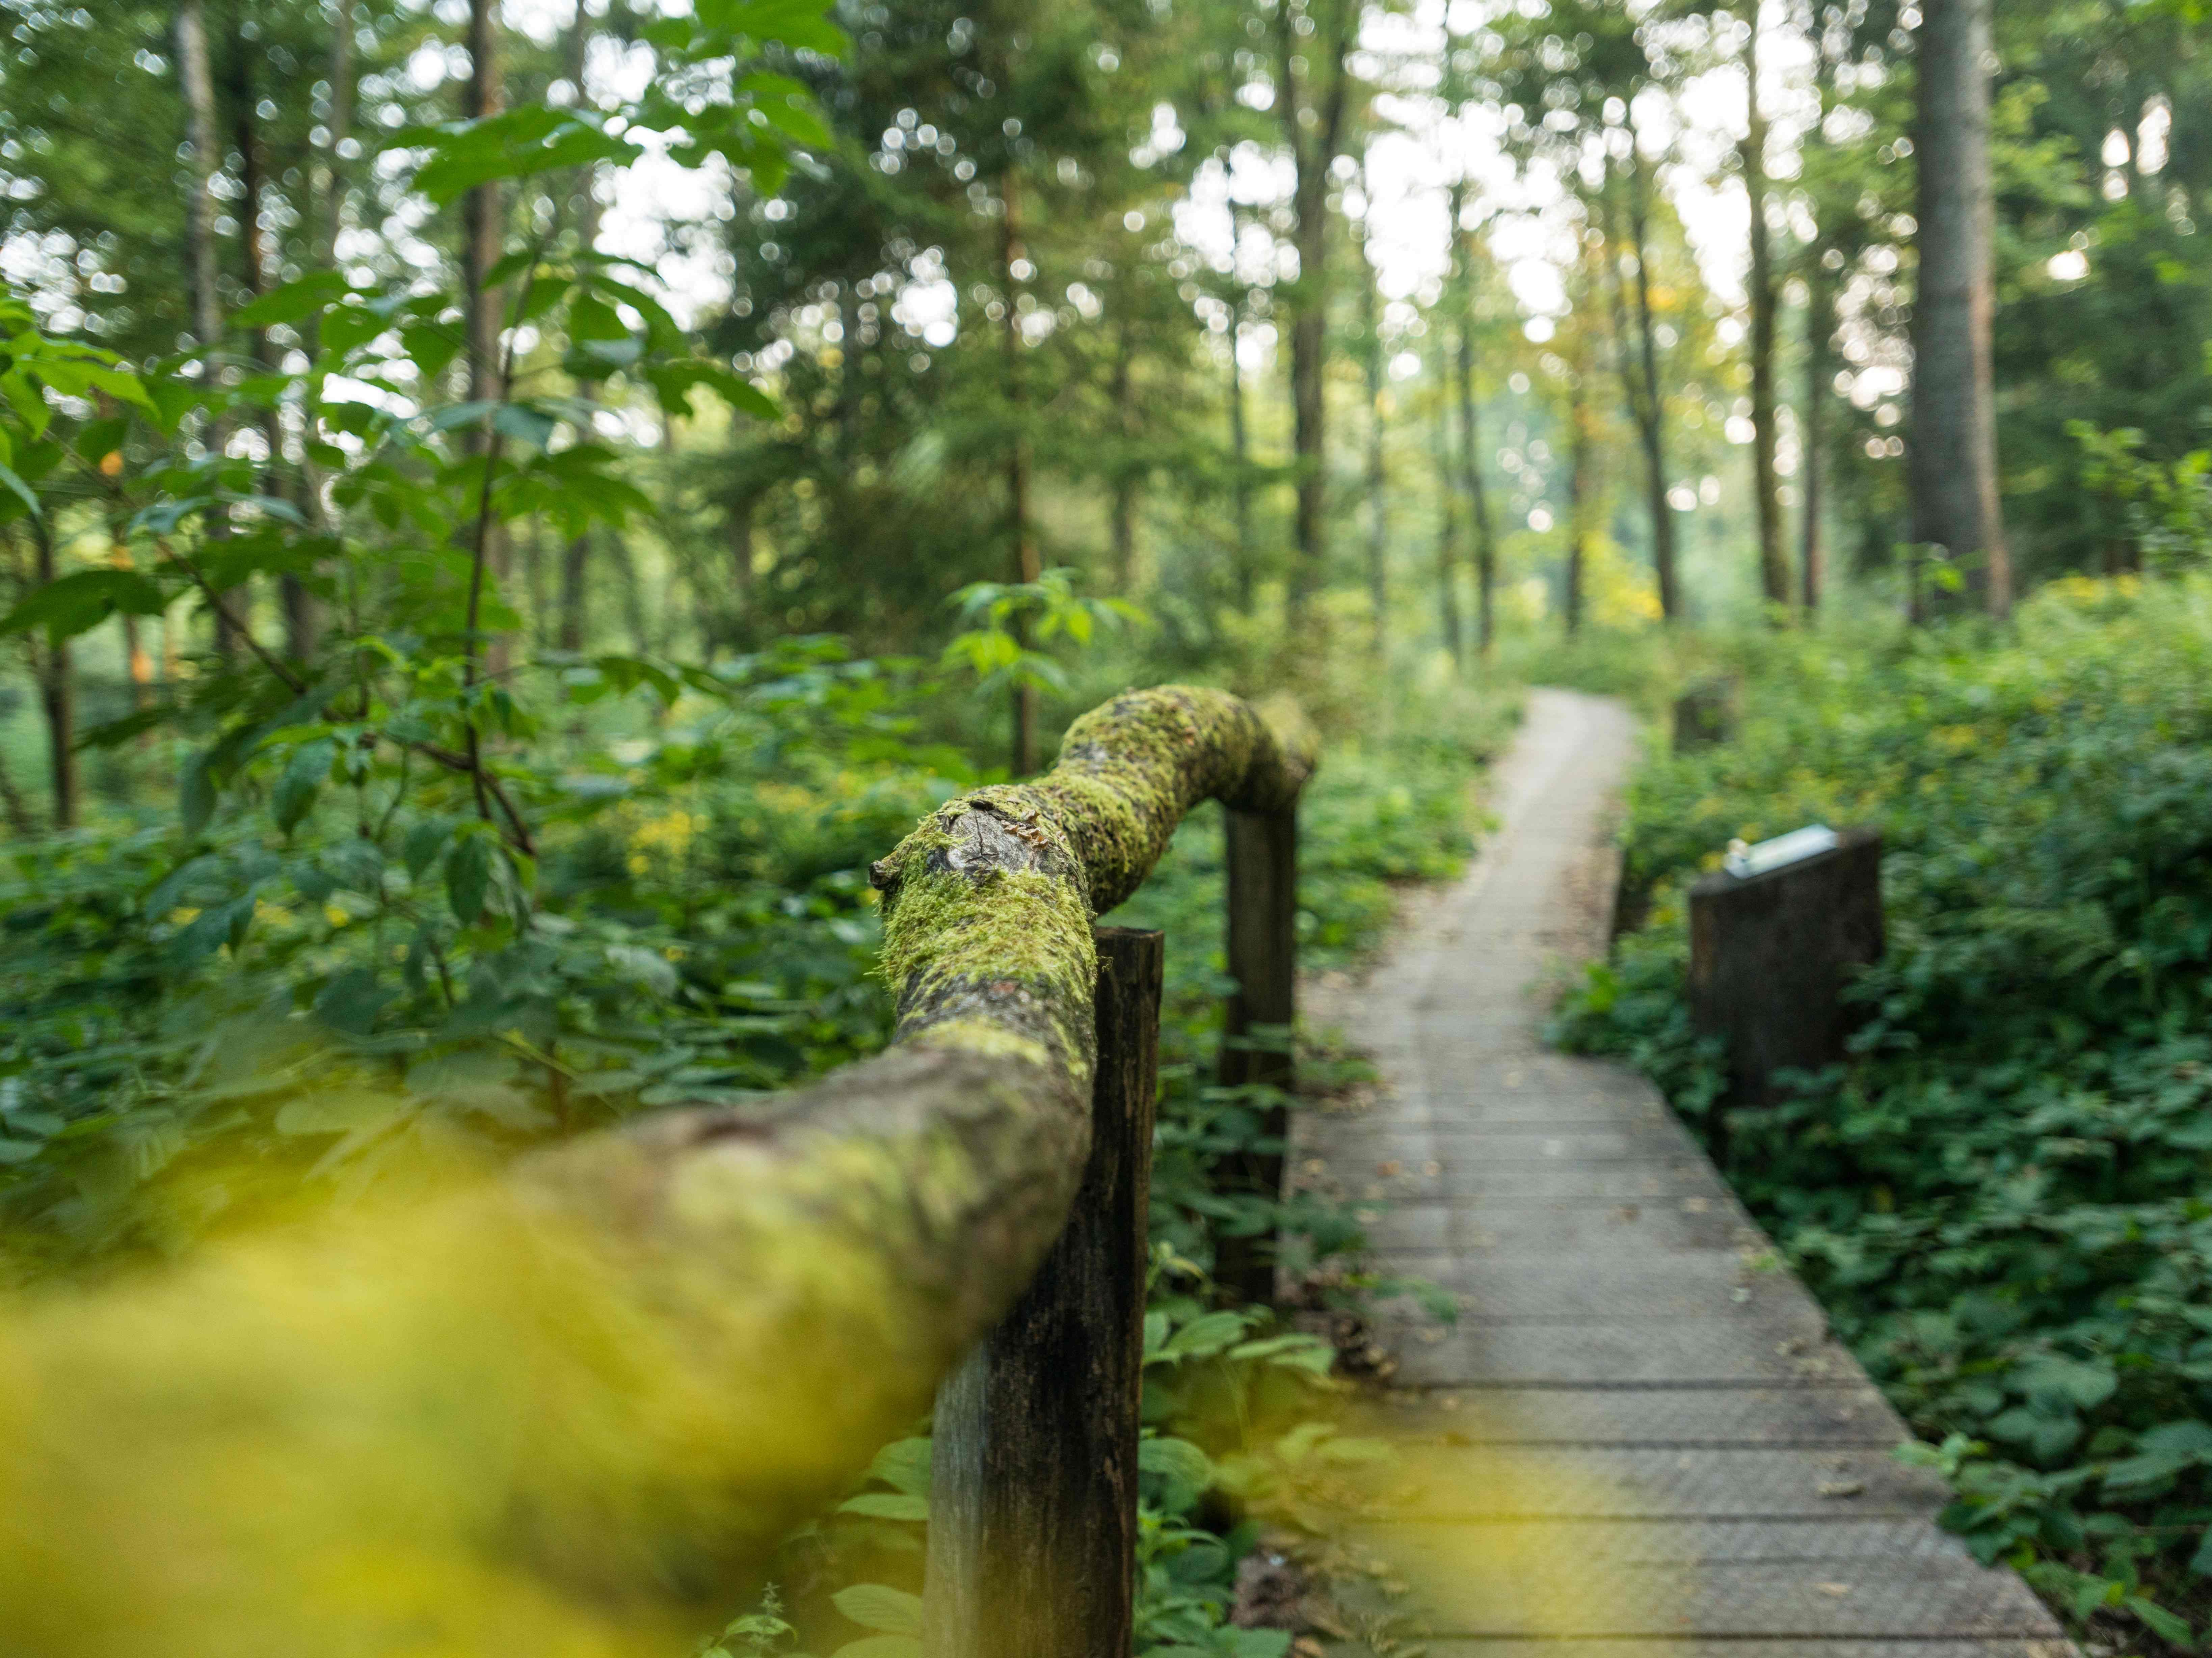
(1033, 1498)
(1263, 942)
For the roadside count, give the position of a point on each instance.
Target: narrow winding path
(1639, 1441)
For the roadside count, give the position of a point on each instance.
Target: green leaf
(886, 1505)
(2161, 1622)
(74, 603)
(1205, 1336)
(879, 1606)
(294, 797)
(195, 795)
(423, 845)
(294, 300)
(1177, 1460)
(903, 1465)
(468, 877)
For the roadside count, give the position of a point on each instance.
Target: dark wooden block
(1033, 1499)
(1705, 714)
(1769, 955)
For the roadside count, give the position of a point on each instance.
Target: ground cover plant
(2004, 1201)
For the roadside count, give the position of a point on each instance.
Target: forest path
(1638, 1442)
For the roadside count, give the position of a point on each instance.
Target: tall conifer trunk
(1952, 462)
(200, 213)
(1773, 562)
(1026, 567)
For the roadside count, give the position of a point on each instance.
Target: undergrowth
(328, 997)
(2004, 1199)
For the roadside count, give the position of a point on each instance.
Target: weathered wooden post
(1255, 1044)
(1033, 1489)
(1771, 949)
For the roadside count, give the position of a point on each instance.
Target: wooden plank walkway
(1638, 1442)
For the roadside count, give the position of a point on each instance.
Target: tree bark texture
(1582, 493)
(1811, 535)
(57, 697)
(1026, 565)
(198, 81)
(1470, 443)
(574, 1410)
(1312, 105)
(1378, 475)
(484, 227)
(1952, 462)
(576, 556)
(1448, 622)
(1646, 396)
(1033, 1489)
(1766, 488)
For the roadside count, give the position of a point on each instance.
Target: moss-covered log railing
(571, 1411)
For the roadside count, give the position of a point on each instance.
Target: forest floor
(1638, 1438)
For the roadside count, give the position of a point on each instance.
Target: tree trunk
(297, 604)
(200, 213)
(1378, 517)
(576, 557)
(1647, 400)
(340, 127)
(1820, 324)
(57, 695)
(1026, 569)
(1240, 450)
(1582, 493)
(1773, 563)
(1448, 616)
(1122, 529)
(1952, 470)
(1313, 150)
(483, 236)
(1478, 496)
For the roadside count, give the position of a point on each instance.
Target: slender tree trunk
(1026, 567)
(741, 566)
(1378, 515)
(1447, 614)
(1773, 562)
(200, 213)
(576, 557)
(297, 604)
(200, 209)
(57, 695)
(340, 127)
(1951, 469)
(1470, 438)
(1647, 400)
(17, 810)
(1240, 450)
(1582, 493)
(575, 570)
(1123, 527)
(1313, 131)
(1812, 541)
(483, 236)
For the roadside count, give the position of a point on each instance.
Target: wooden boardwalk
(1639, 1441)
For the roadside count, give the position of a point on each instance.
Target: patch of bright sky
(1410, 166)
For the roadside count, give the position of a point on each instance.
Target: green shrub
(2004, 1199)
